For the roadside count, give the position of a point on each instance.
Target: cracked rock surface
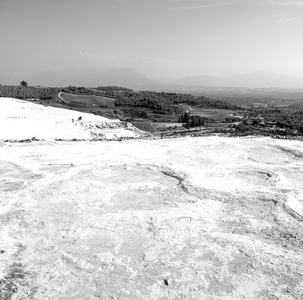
(189, 218)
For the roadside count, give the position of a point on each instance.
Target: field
(145, 126)
(210, 113)
(87, 100)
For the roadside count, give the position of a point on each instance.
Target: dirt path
(185, 107)
(59, 96)
(203, 218)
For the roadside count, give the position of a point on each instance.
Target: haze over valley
(131, 78)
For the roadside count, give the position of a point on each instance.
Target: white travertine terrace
(24, 120)
(188, 218)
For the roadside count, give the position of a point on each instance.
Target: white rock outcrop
(20, 120)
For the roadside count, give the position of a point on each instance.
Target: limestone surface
(23, 120)
(189, 218)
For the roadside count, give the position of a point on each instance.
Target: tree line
(191, 120)
(167, 102)
(163, 103)
(28, 92)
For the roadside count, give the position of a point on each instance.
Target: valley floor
(188, 218)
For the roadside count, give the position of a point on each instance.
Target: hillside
(22, 120)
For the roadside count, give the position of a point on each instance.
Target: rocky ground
(189, 218)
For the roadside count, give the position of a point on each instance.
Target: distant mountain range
(88, 78)
(249, 80)
(131, 78)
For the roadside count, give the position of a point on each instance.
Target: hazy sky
(160, 38)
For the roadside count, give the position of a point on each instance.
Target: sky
(163, 39)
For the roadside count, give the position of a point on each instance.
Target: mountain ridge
(259, 79)
(87, 77)
(131, 78)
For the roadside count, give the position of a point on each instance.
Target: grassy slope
(88, 99)
(145, 126)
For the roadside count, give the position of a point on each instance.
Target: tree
(24, 83)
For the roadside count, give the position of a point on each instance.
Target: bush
(24, 83)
